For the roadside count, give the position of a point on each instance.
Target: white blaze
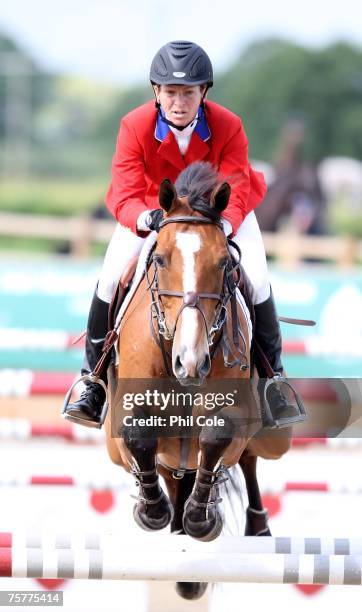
(188, 244)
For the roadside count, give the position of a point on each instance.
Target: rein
(193, 300)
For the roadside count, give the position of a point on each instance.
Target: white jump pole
(182, 543)
(190, 566)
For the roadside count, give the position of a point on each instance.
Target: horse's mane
(197, 182)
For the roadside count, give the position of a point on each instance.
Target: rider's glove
(154, 219)
(150, 220)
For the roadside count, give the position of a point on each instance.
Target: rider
(159, 140)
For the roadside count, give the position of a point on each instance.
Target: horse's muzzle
(191, 373)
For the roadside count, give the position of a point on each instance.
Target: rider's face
(180, 102)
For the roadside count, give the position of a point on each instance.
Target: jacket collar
(197, 148)
(202, 129)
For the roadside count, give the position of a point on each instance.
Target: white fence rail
(81, 231)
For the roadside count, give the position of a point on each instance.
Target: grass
(43, 246)
(52, 197)
(49, 197)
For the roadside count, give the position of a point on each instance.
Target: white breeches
(125, 244)
(249, 240)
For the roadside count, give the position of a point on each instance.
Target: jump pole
(189, 566)
(182, 543)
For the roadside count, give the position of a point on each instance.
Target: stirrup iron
(271, 421)
(93, 379)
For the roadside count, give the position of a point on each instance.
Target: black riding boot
(277, 412)
(87, 410)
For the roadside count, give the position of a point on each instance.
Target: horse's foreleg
(179, 489)
(153, 510)
(256, 516)
(202, 519)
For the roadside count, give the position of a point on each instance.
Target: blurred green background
(57, 132)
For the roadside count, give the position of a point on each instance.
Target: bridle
(193, 300)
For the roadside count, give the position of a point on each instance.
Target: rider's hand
(150, 220)
(154, 219)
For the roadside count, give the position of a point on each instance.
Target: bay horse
(180, 325)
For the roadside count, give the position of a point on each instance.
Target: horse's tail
(232, 507)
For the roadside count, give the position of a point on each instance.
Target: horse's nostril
(205, 367)
(178, 367)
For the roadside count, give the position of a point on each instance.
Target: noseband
(193, 300)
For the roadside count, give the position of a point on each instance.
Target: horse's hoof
(206, 530)
(191, 590)
(158, 521)
(256, 523)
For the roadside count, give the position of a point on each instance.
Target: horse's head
(191, 257)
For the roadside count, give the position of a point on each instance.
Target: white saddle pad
(246, 312)
(139, 274)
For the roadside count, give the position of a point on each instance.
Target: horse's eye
(159, 260)
(223, 263)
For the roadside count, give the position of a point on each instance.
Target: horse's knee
(214, 440)
(271, 448)
(136, 443)
(218, 436)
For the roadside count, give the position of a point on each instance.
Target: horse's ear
(220, 196)
(167, 194)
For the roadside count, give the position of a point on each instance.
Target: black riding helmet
(181, 62)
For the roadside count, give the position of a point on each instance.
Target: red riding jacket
(147, 152)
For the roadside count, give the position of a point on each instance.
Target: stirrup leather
(274, 423)
(88, 423)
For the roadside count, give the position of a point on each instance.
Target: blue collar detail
(162, 129)
(202, 129)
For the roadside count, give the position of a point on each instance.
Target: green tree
(12, 57)
(275, 81)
